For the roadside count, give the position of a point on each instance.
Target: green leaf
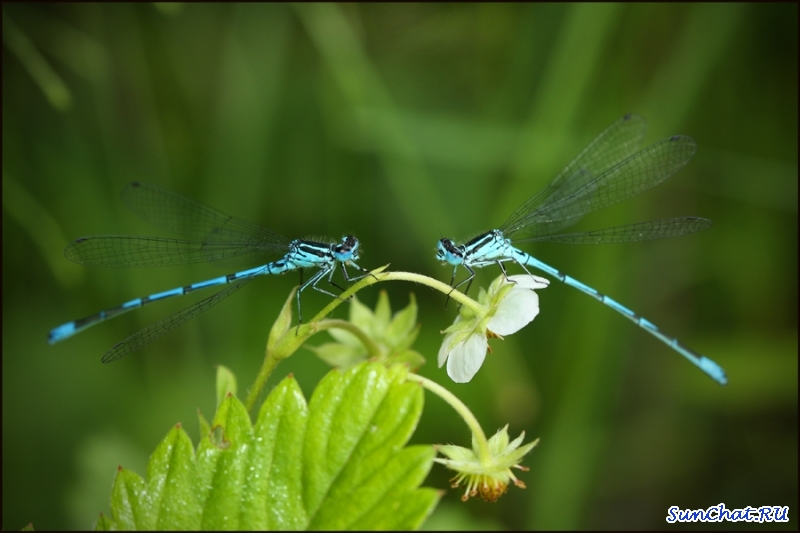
(383, 313)
(410, 358)
(104, 523)
(276, 499)
(402, 325)
(339, 355)
(222, 465)
(348, 339)
(205, 427)
(393, 336)
(226, 382)
(337, 462)
(282, 323)
(170, 483)
(129, 505)
(406, 342)
(361, 316)
(358, 421)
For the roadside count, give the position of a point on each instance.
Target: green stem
(294, 337)
(264, 373)
(377, 276)
(444, 288)
(479, 436)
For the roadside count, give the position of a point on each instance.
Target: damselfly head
(446, 250)
(347, 250)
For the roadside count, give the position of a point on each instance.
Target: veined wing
(642, 231)
(167, 324)
(615, 144)
(639, 172)
(135, 251)
(192, 219)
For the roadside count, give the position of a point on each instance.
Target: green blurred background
(402, 123)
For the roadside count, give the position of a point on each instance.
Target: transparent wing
(167, 324)
(615, 144)
(584, 192)
(133, 251)
(642, 231)
(217, 237)
(194, 220)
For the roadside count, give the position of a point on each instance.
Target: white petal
(467, 357)
(517, 309)
(529, 281)
(444, 350)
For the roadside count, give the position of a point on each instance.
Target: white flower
(508, 307)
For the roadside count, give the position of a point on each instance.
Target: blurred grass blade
(565, 84)
(54, 89)
(43, 230)
(362, 87)
(677, 84)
